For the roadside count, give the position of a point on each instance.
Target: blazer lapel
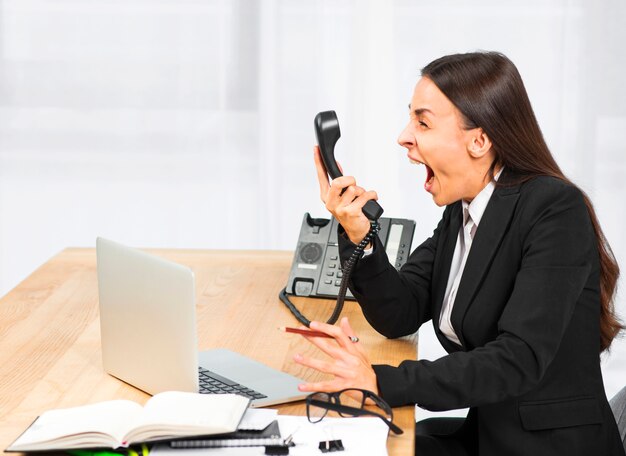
(492, 227)
(443, 262)
(441, 271)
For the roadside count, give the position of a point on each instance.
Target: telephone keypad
(395, 234)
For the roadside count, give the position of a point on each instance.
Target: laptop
(149, 339)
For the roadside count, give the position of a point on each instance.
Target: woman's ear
(479, 143)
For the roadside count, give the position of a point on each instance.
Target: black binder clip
(276, 450)
(330, 446)
(279, 450)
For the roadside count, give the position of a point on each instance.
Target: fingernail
(297, 356)
(302, 387)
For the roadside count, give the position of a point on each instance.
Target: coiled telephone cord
(343, 287)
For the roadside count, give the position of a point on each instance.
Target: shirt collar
(477, 207)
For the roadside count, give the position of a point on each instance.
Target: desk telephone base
(316, 269)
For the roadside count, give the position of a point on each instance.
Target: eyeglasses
(349, 402)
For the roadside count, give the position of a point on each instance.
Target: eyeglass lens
(357, 399)
(315, 406)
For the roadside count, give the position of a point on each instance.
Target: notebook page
(177, 413)
(111, 417)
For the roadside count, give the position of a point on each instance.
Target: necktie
(469, 229)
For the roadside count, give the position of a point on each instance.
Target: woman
(517, 278)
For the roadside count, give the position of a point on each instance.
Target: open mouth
(430, 174)
(430, 177)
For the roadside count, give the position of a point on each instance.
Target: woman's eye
(422, 124)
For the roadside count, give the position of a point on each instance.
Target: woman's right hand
(346, 207)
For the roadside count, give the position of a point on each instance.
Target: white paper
(257, 419)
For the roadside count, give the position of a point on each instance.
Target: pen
(312, 333)
(305, 332)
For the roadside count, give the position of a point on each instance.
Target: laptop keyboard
(212, 383)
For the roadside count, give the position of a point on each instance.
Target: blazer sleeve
(558, 250)
(394, 303)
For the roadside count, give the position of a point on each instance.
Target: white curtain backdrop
(188, 123)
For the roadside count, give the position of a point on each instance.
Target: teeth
(415, 162)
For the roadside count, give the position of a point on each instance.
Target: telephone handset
(327, 132)
(317, 255)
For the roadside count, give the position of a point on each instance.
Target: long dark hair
(489, 92)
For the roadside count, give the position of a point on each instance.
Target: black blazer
(526, 313)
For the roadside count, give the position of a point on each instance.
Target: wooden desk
(50, 332)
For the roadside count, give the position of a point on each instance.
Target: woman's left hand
(349, 362)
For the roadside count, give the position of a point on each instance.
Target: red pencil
(306, 332)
